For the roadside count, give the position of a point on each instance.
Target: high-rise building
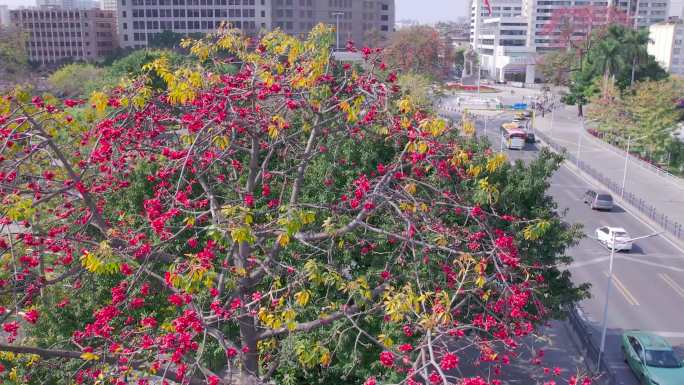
(56, 35)
(367, 21)
(497, 8)
(503, 50)
(667, 45)
(140, 20)
(550, 25)
(4, 16)
(649, 12)
(109, 5)
(362, 21)
(68, 4)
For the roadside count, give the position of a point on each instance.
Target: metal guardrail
(640, 162)
(591, 349)
(668, 224)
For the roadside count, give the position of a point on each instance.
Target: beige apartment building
(359, 20)
(58, 35)
(667, 45)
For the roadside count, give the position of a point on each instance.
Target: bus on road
(514, 136)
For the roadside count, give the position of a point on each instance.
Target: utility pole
(479, 74)
(579, 142)
(624, 171)
(337, 29)
(604, 327)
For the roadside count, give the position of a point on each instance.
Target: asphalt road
(648, 284)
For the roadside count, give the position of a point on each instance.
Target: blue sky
(425, 11)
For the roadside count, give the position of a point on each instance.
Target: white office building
(500, 8)
(68, 4)
(4, 16)
(108, 5)
(667, 45)
(503, 49)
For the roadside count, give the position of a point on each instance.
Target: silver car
(600, 200)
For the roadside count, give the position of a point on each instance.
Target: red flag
(489, 7)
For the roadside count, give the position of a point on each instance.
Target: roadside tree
(75, 79)
(419, 49)
(13, 55)
(296, 219)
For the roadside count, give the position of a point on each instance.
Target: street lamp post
(485, 125)
(553, 113)
(337, 29)
(624, 171)
(604, 327)
(479, 76)
(579, 142)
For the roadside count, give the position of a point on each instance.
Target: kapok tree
(226, 227)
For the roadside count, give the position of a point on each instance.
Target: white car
(614, 238)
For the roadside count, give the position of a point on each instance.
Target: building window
(384, 28)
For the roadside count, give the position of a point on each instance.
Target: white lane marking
(627, 210)
(576, 265)
(649, 263)
(668, 334)
(672, 284)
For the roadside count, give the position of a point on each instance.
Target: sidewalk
(659, 197)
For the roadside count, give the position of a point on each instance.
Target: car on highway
(530, 138)
(652, 359)
(614, 238)
(598, 200)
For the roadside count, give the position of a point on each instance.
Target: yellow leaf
(325, 359)
(190, 221)
(273, 131)
(410, 188)
(480, 281)
(222, 141)
(90, 356)
(100, 100)
(283, 239)
(404, 105)
(302, 297)
(422, 147)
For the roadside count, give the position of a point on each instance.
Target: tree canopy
(297, 220)
(76, 79)
(419, 49)
(13, 55)
(615, 54)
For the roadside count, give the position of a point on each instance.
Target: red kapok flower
(387, 358)
(449, 361)
(249, 200)
(31, 316)
(405, 348)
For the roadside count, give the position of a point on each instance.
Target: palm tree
(609, 59)
(634, 45)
